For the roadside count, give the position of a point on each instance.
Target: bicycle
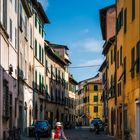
(14, 134)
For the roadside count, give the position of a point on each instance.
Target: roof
(59, 46)
(92, 79)
(103, 19)
(53, 54)
(73, 80)
(41, 11)
(107, 45)
(102, 66)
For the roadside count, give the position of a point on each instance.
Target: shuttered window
(35, 48)
(10, 30)
(5, 14)
(120, 20)
(125, 20)
(133, 10)
(133, 62)
(40, 51)
(138, 58)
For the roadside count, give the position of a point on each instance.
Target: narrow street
(81, 134)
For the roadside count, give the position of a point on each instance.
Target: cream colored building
(56, 81)
(8, 66)
(40, 19)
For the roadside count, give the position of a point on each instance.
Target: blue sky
(75, 23)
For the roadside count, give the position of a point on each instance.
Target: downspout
(18, 90)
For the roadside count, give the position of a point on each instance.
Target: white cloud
(92, 62)
(44, 3)
(89, 45)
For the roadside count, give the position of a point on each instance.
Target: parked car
(45, 128)
(94, 121)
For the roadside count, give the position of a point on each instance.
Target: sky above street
(76, 23)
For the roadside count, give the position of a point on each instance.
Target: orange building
(108, 22)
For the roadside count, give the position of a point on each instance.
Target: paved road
(80, 134)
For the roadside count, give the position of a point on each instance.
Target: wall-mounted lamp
(10, 69)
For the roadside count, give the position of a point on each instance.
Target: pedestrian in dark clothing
(37, 131)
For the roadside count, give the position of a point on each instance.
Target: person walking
(58, 133)
(37, 130)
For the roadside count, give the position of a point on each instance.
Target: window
(40, 51)
(133, 10)
(120, 20)
(42, 85)
(40, 26)
(36, 20)
(5, 14)
(36, 79)
(6, 100)
(95, 98)
(21, 16)
(51, 71)
(96, 109)
(117, 59)
(10, 30)
(121, 55)
(40, 82)
(31, 35)
(47, 69)
(56, 73)
(138, 58)
(15, 38)
(26, 24)
(125, 119)
(42, 56)
(95, 87)
(133, 62)
(119, 89)
(35, 48)
(16, 6)
(47, 91)
(111, 56)
(125, 20)
(25, 69)
(42, 31)
(124, 69)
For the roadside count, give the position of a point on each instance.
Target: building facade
(128, 96)
(91, 101)
(60, 86)
(108, 27)
(8, 66)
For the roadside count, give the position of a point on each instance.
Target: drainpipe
(18, 90)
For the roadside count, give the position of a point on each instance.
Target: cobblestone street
(81, 134)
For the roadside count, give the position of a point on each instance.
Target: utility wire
(75, 67)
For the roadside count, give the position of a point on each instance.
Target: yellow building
(128, 37)
(108, 22)
(92, 99)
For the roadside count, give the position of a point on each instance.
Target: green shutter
(39, 52)
(35, 20)
(42, 83)
(42, 56)
(35, 48)
(36, 79)
(39, 81)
